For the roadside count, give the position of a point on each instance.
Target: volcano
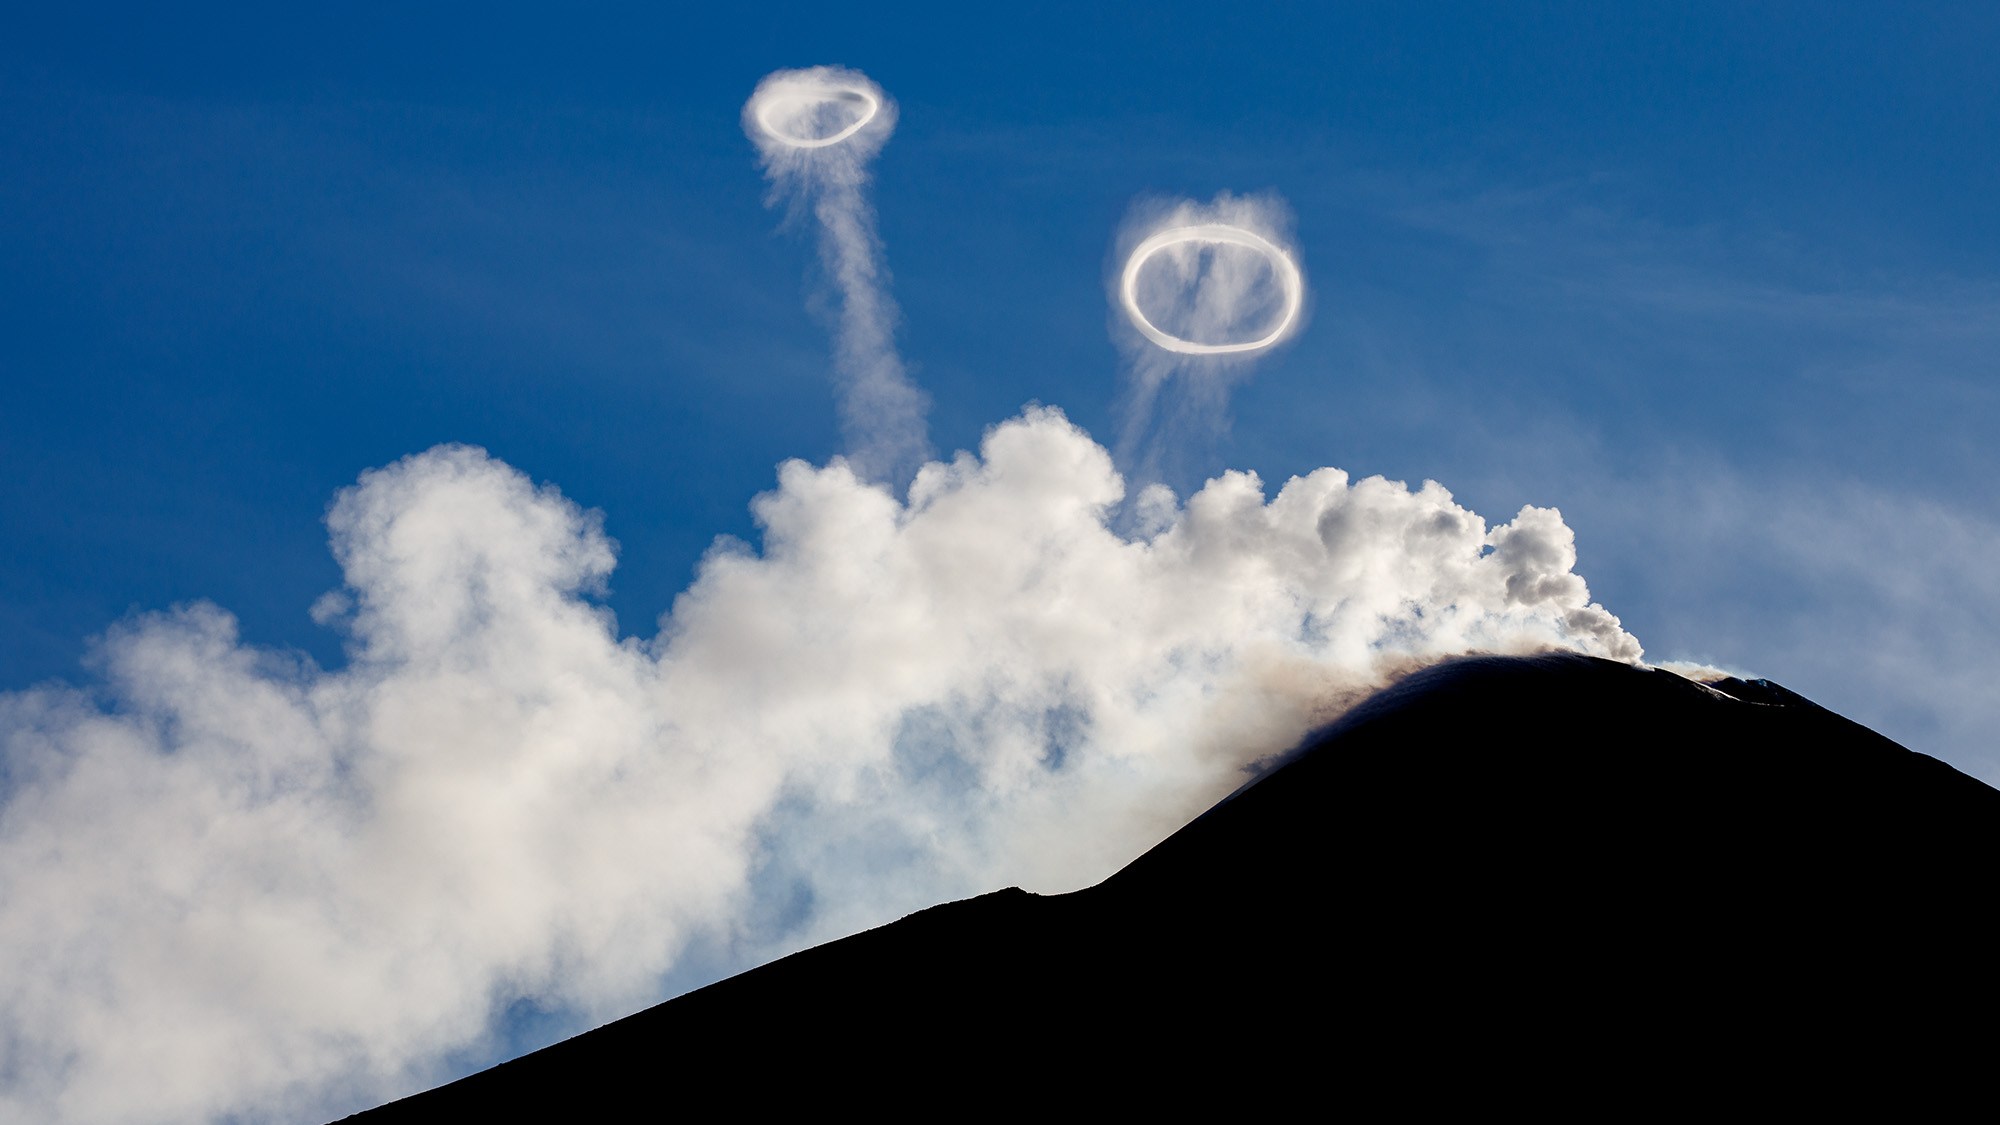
(1506, 878)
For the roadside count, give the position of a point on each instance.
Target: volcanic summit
(1502, 875)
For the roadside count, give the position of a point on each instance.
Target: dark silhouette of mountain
(1533, 881)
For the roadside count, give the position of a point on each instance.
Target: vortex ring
(1213, 234)
(824, 92)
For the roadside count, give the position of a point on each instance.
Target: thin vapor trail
(817, 130)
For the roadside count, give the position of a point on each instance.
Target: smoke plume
(817, 130)
(234, 882)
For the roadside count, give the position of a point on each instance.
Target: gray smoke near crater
(817, 130)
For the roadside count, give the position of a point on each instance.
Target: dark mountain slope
(1503, 878)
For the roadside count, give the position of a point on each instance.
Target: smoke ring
(1222, 234)
(820, 93)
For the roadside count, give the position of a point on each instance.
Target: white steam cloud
(817, 130)
(1199, 292)
(232, 882)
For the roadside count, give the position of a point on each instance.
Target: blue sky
(1721, 283)
(252, 253)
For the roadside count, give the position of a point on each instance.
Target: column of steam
(816, 131)
(1202, 292)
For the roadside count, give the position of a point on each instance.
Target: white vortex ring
(1214, 234)
(816, 93)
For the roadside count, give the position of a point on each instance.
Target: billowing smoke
(817, 131)
(232, 882)
(1199, 292)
